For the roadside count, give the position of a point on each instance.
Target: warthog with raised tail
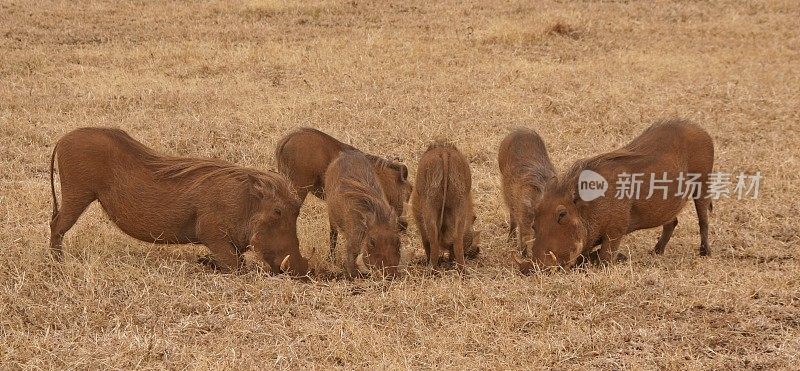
(442, 205)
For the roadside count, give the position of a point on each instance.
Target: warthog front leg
(224, 257)
(608, 250)
(524, 232)
(350, 262)
(334, 235)
(512, 227)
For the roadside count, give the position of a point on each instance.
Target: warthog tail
(52, 180)
(279, 160)
(445, 178)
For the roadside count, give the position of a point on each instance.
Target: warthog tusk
(518, 259)
(285, 264)
(525, 265)
(362, 268)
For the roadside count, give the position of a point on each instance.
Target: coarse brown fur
(525, 169)
(358, 208)
(565, 226)
(305, 154)
(173, 200)
(442, 205)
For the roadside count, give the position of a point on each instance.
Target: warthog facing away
(442, 204)
(566, 225)
(172, 200)
(358, 208)
(305, 154)
(525, 169)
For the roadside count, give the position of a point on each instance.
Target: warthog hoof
(472, 252)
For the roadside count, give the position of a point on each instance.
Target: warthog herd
(231, 209)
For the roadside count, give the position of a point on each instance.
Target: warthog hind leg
(72, 207)
(702, 205)
(666, 233)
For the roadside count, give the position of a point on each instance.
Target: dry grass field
(228, 79)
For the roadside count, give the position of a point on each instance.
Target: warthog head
(559, 233)
(380, 250)
(274, 233)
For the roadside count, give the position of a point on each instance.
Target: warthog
(173, 200)
(358, 208)
(567, 225)
(442, 205)
(525, 169)
(305, 154)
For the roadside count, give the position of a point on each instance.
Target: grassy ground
(227, 80)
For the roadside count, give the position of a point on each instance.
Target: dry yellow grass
(227, 80)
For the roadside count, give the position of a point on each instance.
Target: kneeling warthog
(593, 204)
(358, 208)
(172, 200)
(304, 156)
(442, 205)
(525, 169)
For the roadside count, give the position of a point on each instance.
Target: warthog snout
(388, 272)
(362, 268)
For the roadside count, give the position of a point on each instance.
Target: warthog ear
(525, 266)
(561, 212)
(285, 264)
(403, 172)
(576, 198)
(255, 188)
(362, 268)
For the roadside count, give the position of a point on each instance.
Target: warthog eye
(277, 211)
(561, 212)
